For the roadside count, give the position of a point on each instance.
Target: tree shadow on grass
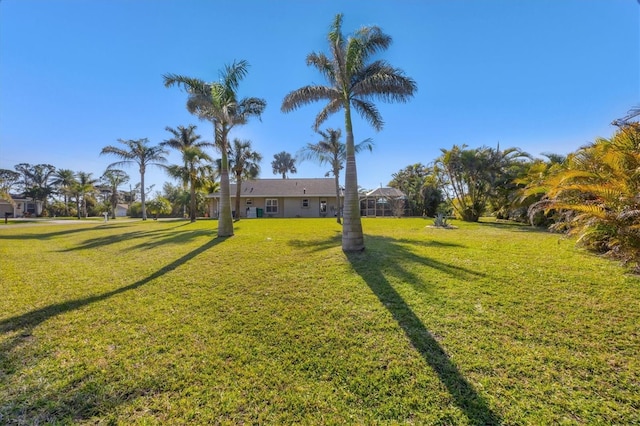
(374, 265)
(17, 331)
(152, 238)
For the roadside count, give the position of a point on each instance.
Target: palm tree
(597, 192)
(245, 164)
(64, 179)
(114, 178)
(283, 163)
(352, 83)
(185, 138)
(140, 153)
(218, 102)
(83, 186)
(194, 172)
(333, 152)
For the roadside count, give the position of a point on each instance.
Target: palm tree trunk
(142, 195)
(238, 192)
(192, 194)
(352, 237)
(225, 221)
(337, 196)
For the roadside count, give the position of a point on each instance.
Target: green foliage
(283, 163)
(474, 178)
(595, 195)
(135, 210)
(133, 322)
(159, 206)
(419, 184)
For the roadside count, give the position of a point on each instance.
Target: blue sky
(540, 75)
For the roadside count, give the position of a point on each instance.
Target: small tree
(159, 206)
(114, 178)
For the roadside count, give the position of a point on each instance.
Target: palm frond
(331, 108)
(369, 112)
(307, 95)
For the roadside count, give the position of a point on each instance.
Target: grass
(160, 322)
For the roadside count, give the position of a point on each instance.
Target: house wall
(5, 207)
(287, 207)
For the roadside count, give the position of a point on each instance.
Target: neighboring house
(121, 210)
(383, 202)
(282, 198)
(22, 207)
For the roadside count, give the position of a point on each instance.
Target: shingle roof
(321, 187)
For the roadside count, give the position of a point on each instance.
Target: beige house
(282, 198)
(21, 207)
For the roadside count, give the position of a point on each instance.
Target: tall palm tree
(64, 179)
(245, 164)
(138, 152)
(333, 152)
(183, 139)
(353, 83)
(283, 163)
(218, 102)
(114, 178)
(195, 171)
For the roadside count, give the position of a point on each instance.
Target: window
(249, 202)
(271, 205)
(305, 203)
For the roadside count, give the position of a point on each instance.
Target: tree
(185, 138)
(283, 163)
(8, 178)
(138, 152)
(595, 194)
(333, 152)
(36, 181)
(419, 184)
(64, 180)
(470, 176)
(195, 171)
(218, 102)
(83, 186)
(353, 83)
(245, 164)
(159, 206)
(114, 178)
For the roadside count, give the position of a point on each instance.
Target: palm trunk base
(352, 237)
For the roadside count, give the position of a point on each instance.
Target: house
(21, 207)
(383, 202)
(282, 198)
(121, 210)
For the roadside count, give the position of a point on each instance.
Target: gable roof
(321, 187)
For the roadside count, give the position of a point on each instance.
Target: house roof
(386, 192)
(321, 187)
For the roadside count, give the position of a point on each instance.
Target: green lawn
(159, 322)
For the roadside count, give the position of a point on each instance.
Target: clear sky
(540, 75)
